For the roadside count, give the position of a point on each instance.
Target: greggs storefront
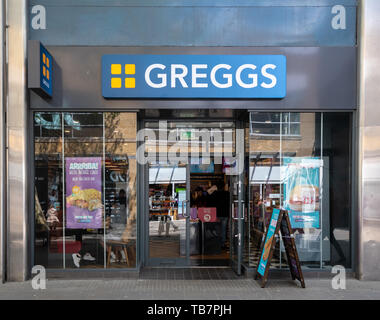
(166, 143)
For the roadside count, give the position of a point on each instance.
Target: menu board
(84, 207)
(279, 222)
(269, 242)
(290, 249)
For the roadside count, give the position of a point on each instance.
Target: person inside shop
(166, 220)
(53, 197)
(87, 251)
(219, 198)
(198, 199)
(52, 217)
(222, 197)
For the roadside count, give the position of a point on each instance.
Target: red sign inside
(207, 214)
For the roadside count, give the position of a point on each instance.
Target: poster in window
(181, 193)
(83, 193)
(301, 177)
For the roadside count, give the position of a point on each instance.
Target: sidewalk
(147, 289)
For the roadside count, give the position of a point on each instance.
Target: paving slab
(183, 289)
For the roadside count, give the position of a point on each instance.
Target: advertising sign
(270, 237)
(290, 248)
(202, 168)
(207, 214)
(279, 225)
(84, 208)
(193, 76)
(40, 69)
(46, 61)
(301, 176)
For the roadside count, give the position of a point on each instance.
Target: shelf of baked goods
(164, 212)
(164, 201)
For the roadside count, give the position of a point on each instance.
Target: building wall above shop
(193, 23)
(317, 79)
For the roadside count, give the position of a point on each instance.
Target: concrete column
(369, 141)
(18, 188)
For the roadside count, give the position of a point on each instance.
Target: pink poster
(84, 208)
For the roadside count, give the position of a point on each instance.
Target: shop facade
(144, 121)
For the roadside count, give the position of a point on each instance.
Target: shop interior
(209, 213)
(274, 142)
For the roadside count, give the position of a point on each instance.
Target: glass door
(237, 218)
(237, 204)
(168, 214)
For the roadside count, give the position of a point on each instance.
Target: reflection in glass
(85, 199)
(48, 190)
(120, 190)
(167, 206)
(300, 161)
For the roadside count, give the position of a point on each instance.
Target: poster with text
(83, 193)
(270, 237)
(301, 177)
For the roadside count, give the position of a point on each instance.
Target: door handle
(233, 210)
(183, 209)
(239, 238)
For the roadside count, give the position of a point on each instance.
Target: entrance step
(192, 273)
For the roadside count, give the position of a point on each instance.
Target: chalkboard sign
(269, 244)
(290, 248)
(279, 222)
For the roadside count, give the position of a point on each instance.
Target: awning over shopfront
(260, 175)
(160, 175)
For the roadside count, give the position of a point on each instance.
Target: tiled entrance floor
(188, 274)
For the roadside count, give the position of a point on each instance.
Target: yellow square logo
(115, 82)
(44, 71)
(47, 74)
(47, 62)
(44, 58)
(115, 68)
(130, 83)
(130, 69)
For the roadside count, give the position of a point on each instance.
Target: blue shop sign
(194, 76)
(46, 70)
(40, 69)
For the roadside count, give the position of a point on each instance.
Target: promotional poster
(301, 176)
(268, 242)
(83, 193)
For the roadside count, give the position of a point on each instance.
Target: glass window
(305, 168)
(85, 182)
(272, 124)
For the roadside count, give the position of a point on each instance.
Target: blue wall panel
(194, 23)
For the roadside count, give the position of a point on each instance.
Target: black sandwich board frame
(283, 225)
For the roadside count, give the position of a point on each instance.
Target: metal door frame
(236, 265)
(166, 262)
